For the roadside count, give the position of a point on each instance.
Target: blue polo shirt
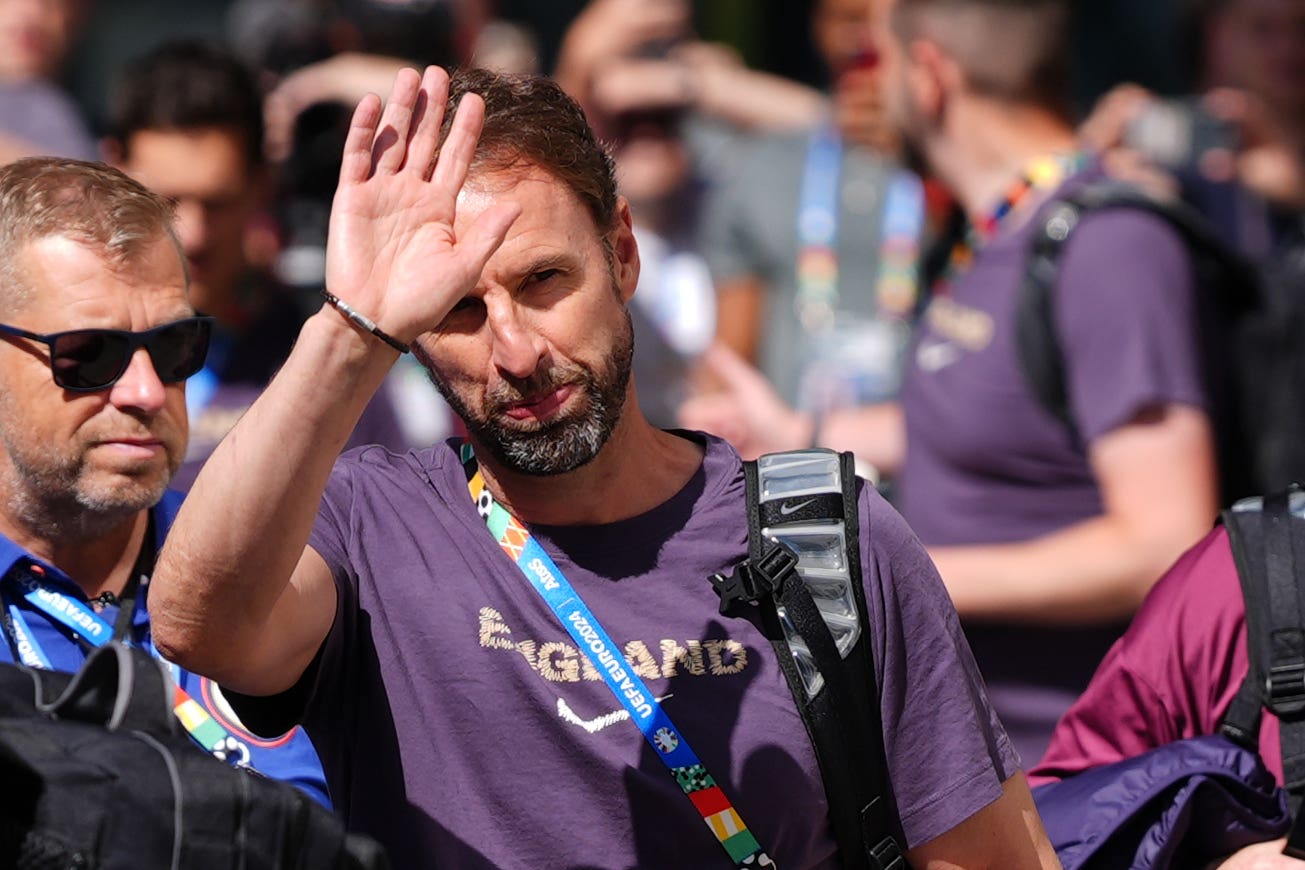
(290, 757)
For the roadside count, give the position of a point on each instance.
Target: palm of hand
(392, 253)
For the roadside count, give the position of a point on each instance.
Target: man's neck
(98, 560)
(639, 468)
(986, 147)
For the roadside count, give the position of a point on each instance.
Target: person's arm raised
(237, 595)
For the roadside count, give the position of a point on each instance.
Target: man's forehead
(483, 189)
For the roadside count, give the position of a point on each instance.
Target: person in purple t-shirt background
(458, 722)
(1047, 543)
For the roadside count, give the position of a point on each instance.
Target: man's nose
(140, 386)
(517, 348)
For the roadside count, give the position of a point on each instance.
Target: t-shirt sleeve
(1168, 678)
(947, 753)
(1125, 311)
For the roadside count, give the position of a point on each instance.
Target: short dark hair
(1014, 50)
(530, 120)
(189, 85)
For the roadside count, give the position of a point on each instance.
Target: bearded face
(559, 443)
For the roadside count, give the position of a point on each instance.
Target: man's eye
(544, 275)
(466, 303)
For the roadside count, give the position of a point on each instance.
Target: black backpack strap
(842, 714)
(1266, 546)
(1229, 288)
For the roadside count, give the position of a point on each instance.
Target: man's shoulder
(1196, 605)
(374, 465)
(1114, 217)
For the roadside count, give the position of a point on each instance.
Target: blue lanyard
(68, 612)
(897, 283)
(817, 229)
(28, 650)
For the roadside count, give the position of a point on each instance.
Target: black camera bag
(95, 773)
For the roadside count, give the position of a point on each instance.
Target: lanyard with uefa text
(897, 285)
(93, 631)
(671, 747)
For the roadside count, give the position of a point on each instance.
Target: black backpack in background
(94, 773)
(1251, 324)
(1268, 545)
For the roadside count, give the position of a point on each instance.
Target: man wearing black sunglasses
(97, 338)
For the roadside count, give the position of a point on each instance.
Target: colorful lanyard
(897, 286)
(94, 631)
(1042, 173)
(657, 728)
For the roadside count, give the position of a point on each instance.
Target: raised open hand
(391, 251)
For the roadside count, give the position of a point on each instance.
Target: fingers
(356, 162)
(485, 235)
(391, 144)
(424, 139)
(1109, 119)
(733, 372)
(459, 147)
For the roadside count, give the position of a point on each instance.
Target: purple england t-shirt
(458, 724)
(987, 464)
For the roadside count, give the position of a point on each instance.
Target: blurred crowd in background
(781, 218)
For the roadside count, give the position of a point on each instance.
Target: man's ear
(932, 77)
(625, 251)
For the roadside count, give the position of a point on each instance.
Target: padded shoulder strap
(840, 707)
(1037, 339)
(1267, 546)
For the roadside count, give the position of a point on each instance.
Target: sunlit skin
(217, 194)
(88, 460)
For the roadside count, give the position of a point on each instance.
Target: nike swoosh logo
(785, 509)
(598, 723)
(936, 355)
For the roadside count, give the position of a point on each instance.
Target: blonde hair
(89, 203)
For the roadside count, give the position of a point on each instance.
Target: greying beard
(50, 500)
(56, 514)
(563, 444)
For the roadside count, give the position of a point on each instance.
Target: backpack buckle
(887, 855)
(1284, 688)
(751, 579)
